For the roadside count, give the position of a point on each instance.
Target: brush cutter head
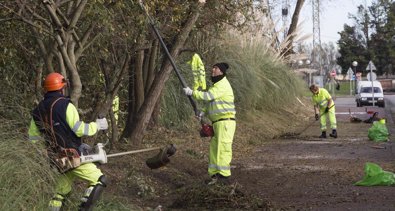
(162, 158)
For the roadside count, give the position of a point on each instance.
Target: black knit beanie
(222, 66)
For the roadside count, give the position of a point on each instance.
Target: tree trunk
(139, 81)
(151, 68)
(144, 115)
(150, 79)
(131, 101)
(156, 113)
(292, 27)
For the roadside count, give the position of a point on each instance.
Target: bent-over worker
(323, 102)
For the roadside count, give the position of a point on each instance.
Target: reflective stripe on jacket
(199, 74)
(115, 107)
(321, 99)
(220, 100)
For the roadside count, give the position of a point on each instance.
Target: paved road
(346, 106)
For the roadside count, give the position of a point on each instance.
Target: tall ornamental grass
(260, 79)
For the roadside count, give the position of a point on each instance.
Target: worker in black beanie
(217, 76)
(221, 111)
(222, 66)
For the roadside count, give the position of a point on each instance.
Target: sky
(333, 15)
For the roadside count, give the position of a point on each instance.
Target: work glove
(188, 91)
(338, 86)
(326, 109)
(102, 124)
(317, 117)
(85, 149)
(200, 115)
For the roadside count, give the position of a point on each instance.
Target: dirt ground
(290, 173)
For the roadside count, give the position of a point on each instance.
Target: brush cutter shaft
(100, 155)
(132, 152)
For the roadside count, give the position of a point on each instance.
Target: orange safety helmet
(54, 82)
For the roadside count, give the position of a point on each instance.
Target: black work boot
(333, 134)
(323, 134)
(212, 180)
(223, 180)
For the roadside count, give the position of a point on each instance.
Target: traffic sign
(350, 73)
(371, 76)
(371, 66)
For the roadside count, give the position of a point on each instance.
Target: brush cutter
(159, 160)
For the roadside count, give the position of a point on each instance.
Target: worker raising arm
(221, 111)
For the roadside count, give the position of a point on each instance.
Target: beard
(217, 78)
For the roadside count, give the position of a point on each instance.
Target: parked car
(364, 96)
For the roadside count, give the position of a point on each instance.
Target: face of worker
(314, 91)
(216, 71)
(65, 89)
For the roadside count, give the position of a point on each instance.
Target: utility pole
(284, 13)
(316, 35)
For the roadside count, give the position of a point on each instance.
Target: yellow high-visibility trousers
(88, 172)
(221, 148)
(332, 118)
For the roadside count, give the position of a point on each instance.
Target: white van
(365, 96)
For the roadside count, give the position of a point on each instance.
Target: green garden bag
(378, 132)
(376, 176)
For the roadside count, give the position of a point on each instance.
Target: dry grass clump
(217, 197)
(27, 180)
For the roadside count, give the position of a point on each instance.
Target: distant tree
(351, 48)
(329, 56)
(381, 44)
(370, 39)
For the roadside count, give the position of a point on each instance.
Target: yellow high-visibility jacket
(321, 99)
(199, 74)
(115, 107)
(220, 100)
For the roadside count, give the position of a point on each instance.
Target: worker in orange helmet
(56, 122)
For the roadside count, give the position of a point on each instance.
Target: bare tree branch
(77, 13)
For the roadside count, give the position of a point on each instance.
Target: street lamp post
(355, 64)
(307, 62)
(304, 64)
